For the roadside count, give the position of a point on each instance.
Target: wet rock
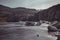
(37, 35)
(58, 37)
(52, 29)
(29, 24)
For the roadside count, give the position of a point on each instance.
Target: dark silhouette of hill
(23, 14)
(50, 14)
(16, 14)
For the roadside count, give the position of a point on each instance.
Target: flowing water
(24, 33)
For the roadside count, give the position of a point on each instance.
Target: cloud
(41, 4)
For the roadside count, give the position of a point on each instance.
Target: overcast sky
(37, 4)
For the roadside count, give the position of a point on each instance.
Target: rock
(52, 29)
(58, 37)
(29, 23)
(37, 35)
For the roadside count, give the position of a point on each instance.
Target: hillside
(16, 14)
(50, 14)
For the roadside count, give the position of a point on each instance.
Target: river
(25, 33)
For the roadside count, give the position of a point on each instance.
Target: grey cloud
(29, 3)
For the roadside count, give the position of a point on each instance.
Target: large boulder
(52, 29)
(58, 37)
(55, 26)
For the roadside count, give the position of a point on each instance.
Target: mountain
(50, 14)
(16, 14)
(24, 13)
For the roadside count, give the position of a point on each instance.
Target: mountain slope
(50, 14)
